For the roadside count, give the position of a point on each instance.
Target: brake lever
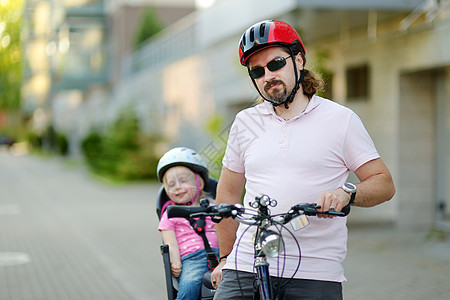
(334, 213)
(331, 212)
(199, 214)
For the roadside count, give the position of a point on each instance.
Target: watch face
(350, 187)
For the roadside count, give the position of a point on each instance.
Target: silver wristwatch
(351, 189)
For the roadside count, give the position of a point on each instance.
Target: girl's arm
(170, 239)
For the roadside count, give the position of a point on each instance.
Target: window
(358, 83)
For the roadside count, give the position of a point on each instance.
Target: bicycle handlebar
(258, 214)
(184, 211)
(238, 212)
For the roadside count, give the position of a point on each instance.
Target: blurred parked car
(6, 140)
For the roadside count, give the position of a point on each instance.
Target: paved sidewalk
(386, 263)
(64, 235)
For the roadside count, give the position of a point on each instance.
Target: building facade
(73, 58)
(386, 60)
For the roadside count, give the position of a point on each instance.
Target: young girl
(184, 174)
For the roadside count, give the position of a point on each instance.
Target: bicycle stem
(261, 265)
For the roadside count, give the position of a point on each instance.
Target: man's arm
(229, 190)
(375, 187)
(376, 184)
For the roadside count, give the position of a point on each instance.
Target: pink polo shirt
(293, 162)
(188, 240)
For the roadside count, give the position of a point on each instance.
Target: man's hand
(333, 200)
(216, 275)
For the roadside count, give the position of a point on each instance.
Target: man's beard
(278, 95)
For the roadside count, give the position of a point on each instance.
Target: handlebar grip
(346, 209)
(311, 209)
(174, 211)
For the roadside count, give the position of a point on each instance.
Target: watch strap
(352, 198)
(352, 191)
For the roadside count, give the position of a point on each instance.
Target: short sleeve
(165, 223)
(232, 159)
(358, 147)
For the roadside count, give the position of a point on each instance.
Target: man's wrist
(350, 188)
(223, 258)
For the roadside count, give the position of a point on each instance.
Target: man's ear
(299, 60)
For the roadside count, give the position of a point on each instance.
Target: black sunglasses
(273, 65)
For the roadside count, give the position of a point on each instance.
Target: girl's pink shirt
(188, 240)
(293, 162)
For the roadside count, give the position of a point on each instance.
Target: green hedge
(50, 141)
(123, 152)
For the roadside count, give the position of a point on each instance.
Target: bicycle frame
(263, 277)
(261, 264)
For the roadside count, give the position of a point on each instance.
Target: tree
(149, 26)
(10, 54)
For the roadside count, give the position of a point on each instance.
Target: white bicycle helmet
(182, 156)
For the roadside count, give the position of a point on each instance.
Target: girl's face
(181, 185)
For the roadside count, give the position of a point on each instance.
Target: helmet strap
(290, 99)
(199, 190)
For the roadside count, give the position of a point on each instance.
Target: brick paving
(86, 239)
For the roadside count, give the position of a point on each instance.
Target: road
(66, 235)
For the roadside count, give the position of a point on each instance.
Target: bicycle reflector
(271, 243)
(299, 222)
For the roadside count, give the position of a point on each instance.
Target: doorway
(424, 149)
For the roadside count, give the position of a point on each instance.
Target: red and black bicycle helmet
(272, 33)
(267, 34)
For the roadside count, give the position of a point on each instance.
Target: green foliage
(123, 152)
(34, 140)
(61, 144)
(437, 234)
(50, 141)
(322, 56)
(10, 54)
(214, 125)
(149, 26)
(213, 153)
(92, 149)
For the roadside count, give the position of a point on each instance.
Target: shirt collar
(266, 108)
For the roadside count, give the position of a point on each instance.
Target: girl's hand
(176, 268)
(170, 239)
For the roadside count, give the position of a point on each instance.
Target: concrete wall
(443, 145)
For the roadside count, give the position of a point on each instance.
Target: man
(295, 147)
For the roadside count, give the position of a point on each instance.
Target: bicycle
(266, 242)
